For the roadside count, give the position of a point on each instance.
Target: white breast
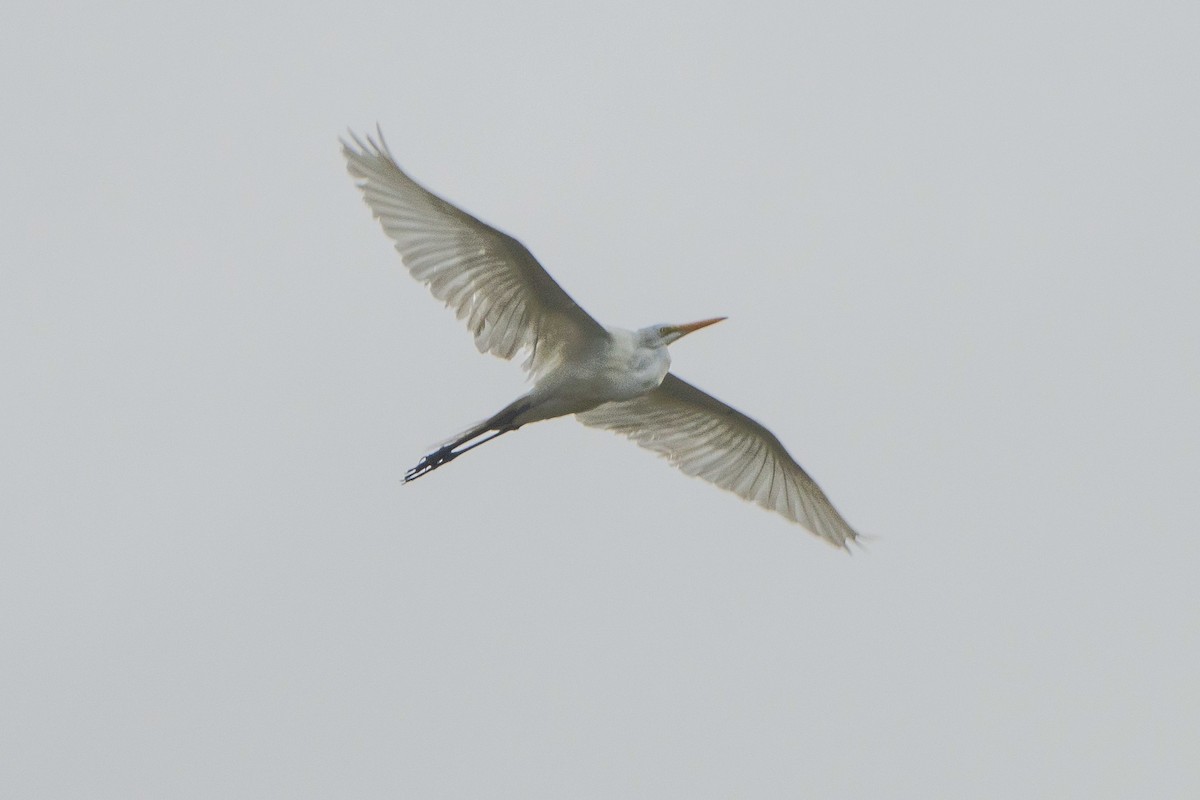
(622, 369)
(630, 368)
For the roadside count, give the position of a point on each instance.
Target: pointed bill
(684, 330)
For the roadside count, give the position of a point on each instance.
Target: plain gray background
(958, 245)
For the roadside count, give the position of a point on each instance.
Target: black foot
(431, 462)
(446, 453)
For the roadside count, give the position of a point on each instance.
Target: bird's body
(607, 377)
(622, 367)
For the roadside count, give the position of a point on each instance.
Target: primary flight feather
(607, 377)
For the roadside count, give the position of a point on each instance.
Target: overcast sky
(959, 249)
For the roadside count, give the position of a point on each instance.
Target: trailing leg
(498, 425)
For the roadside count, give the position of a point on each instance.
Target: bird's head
(662, 335)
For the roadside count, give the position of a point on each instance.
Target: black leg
(447, 453)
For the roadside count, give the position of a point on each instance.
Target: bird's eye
(663, 331)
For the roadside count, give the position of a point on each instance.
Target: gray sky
(958, 245)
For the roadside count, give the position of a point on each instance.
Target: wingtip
(858, 540)
(353, 147)
(354, 144)
(383, 145)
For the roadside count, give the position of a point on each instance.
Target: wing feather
(510, 303)
(707, 439)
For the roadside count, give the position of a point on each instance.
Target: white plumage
(608, 377)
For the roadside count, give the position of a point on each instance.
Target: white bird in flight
(607, 377)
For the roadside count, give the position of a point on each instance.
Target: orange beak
(684, 330)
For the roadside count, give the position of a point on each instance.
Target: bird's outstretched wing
(510, 303)
(708, 439)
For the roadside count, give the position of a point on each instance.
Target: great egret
(607, 377)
